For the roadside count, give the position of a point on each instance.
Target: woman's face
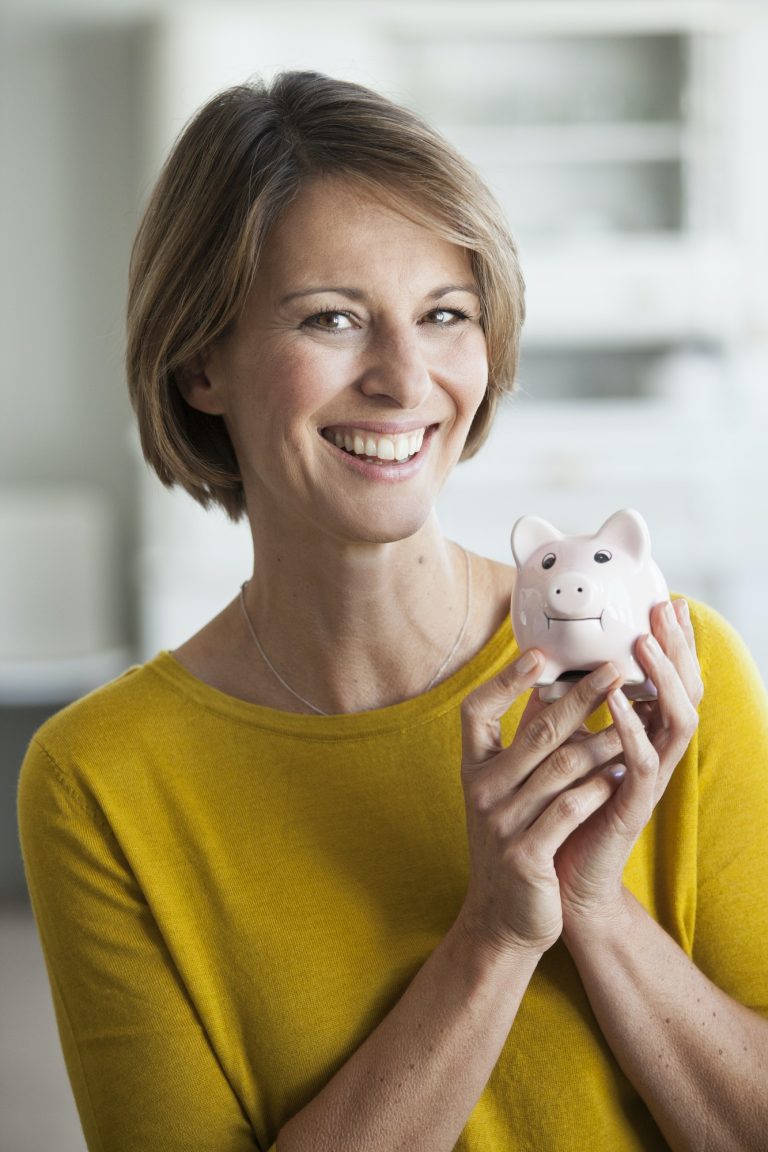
(350, 382)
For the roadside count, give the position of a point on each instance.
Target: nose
(396, 370)
(571, 594)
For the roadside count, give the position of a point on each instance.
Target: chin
(385, 526)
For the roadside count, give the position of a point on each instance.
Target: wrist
(488, 953)
(611, 921)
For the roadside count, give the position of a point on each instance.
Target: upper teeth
(396, 447)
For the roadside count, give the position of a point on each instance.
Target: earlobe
(197, 386)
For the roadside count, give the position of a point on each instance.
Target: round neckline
(494, 654)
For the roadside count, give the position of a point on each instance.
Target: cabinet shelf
(609, 290)
(496, 146)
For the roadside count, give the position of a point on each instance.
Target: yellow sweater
(230, 897)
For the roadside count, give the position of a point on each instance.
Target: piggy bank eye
(603, 556)
(549, 560)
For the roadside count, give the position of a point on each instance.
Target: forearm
(417, 1077)
(698, 1058)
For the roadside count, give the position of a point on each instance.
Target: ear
(528, 534)
(628, 531)
(198, 387)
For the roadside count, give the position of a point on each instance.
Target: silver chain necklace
(454, 648)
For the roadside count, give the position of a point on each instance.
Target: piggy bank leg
(550, 690)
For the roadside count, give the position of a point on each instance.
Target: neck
(354, 627)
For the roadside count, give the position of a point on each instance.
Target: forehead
(339, 226)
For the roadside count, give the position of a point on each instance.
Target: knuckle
(542, 732)
(584, 693)
(565, 761)
(689, 721)
(493, 831)
(569, 806)
(497, 824)
(693, 719)
(509, 680)
(480, 797)
(523, 856)
(648, 762)
(610, 742)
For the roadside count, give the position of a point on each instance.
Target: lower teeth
(375, 459)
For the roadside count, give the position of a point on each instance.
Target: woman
(328, 876)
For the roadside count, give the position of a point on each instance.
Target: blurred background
(625, 141)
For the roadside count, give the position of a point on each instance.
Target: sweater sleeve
(142, 1070)
(731, 936)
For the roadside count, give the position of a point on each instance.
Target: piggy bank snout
(571, 594)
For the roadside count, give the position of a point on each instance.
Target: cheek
(282, 389)
(302, 381)
(469, 370)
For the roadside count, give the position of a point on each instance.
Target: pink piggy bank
(582, 600)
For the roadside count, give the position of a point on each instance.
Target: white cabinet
(626, 145)
(58, 593)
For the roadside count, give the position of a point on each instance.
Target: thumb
(481, 710)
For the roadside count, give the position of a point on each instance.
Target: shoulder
(734, 693)
(102, 726)
(721, 650)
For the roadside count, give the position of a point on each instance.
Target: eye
(549, 560)
(446, 317)
(330, 320)
(603, 556)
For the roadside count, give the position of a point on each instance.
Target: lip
(385, 472)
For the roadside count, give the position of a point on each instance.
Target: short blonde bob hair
(236, 166)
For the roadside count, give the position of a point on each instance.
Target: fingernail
(618, 700)
(604, 676)
(685, 611)
(669, 614)
(617, 772)
(526, 663)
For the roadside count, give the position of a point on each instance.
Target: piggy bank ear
(628, 532)
(528, 534)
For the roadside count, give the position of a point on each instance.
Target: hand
(523, 802)
(654, 737)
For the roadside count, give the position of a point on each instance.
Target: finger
(502, 771)
(683, 613)
(679, 645)
(567, 767)
(674, 707)
(572, 762)
(481, 710)
(640, 789)
(564, 815)
(544, 727)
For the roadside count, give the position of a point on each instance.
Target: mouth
(378, 447)
(572, 619)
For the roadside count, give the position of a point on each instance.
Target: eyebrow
(357, 294)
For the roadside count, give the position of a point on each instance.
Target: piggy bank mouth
(572, 619)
